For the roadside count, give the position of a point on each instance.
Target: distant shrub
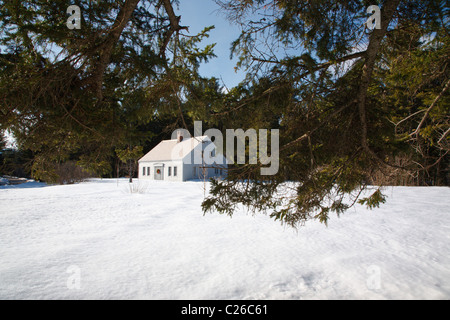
(137, 188)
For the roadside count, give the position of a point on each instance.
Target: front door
(159, 173)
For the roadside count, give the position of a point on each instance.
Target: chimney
(179, 136)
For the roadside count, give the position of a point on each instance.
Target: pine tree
(334, 88)
(81, 93)
(129, 157)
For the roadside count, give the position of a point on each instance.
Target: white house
(182, 160)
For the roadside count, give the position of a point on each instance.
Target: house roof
(171, 150)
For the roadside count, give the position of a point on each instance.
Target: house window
(170, 171)
(175, 171)
(148, 171)
(213, 153)
(143, 171)
(216, 171)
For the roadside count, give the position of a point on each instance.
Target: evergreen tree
(351, 102)
(129, 157)
(415, 70)
(337, 91)
(84, 92)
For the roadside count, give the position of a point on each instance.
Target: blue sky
(198, 14)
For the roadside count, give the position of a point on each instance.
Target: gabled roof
(171, 150)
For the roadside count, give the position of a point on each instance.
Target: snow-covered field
(96, 240)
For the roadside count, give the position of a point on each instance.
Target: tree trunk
(372, 51)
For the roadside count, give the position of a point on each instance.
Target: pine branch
(174, 26)
(122, 19)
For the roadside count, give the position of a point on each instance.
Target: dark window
(175, 171)
(143, 171)
(148, 171)
(170, 171)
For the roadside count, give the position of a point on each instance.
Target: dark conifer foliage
(84, 92)
(355, 106)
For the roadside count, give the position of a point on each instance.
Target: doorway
(159, 173)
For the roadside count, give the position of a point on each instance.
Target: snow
(96, 240)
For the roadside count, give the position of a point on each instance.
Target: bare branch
(174, 26)
(427, 113)
(444, 136)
